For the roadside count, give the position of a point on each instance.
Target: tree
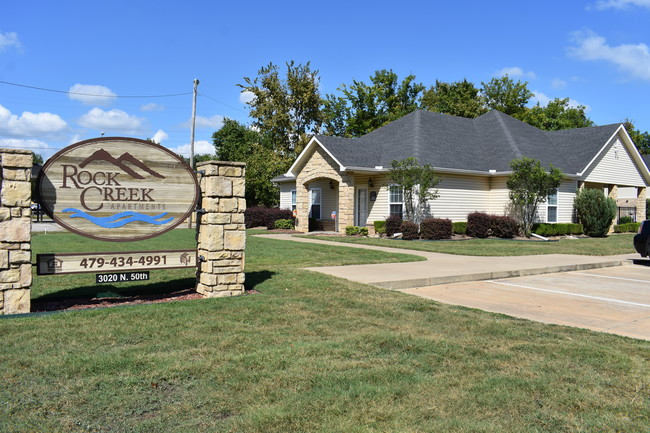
(640, 139)
(556, 115)
(365, 107)
(38, 158)
(236, 142)
(506, 95)
(417, 183)
(595, 211)
(460, 98)
(530, 185)
(285, 110)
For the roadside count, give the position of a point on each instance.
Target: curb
(464, 278)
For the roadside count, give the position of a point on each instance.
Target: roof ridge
(508, 134)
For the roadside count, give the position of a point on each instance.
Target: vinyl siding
(285, 194)
(378, 209)
(329, 197)
(460, 195)
(565, 195)
(499, 196)
(615, 166)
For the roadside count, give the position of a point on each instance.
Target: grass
(312, 353)
(611, 245)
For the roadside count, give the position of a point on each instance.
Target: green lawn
(611, 245)
(312, 353)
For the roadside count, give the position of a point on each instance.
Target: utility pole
(196, 85)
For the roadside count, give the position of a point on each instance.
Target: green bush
(627, 228)
(284, 224)
(459, 228)
(560, 229)
(595, 211)
(380, 227)
(624, 220)
(354, 231)
(576, 229)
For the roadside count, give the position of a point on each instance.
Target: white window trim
(294, 200)
(395, 202)
(556, 206)
(320, 195)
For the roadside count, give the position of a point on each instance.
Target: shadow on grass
(255, 278)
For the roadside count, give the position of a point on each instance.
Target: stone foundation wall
(15, 230)
(221, 234)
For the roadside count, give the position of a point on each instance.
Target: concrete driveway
(614, 300)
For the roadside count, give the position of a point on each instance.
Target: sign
(117, 189)
(78, 263)
(121, 277)
(333, 215)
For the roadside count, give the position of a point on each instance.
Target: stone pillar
(302, 207)
(640, 204)
(221, 234)
(346, 202)
(613, 193)
(15, 231)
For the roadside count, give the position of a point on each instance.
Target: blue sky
(593, 51)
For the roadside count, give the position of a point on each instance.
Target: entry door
(362, 206)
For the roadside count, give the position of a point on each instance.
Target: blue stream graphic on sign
(115, 221)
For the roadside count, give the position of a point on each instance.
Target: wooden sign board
(79, 263)
(117, 189)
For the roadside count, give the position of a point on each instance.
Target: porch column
(641, 204)
(302, 207)
(346, 203)
(613, 193)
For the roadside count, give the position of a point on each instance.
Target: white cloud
(152, 107)
(539, 97)
(20, 143)
(9, 40)
(515, 72)
(31, 124)
(91, 94)
(246, 96)
(558, 84)
(159, 136)
(215, 122)
(621, 4)
(115, 120)
(629, 58)
(200, 147)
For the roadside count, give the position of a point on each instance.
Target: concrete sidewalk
(449, 268)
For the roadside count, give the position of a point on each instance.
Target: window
(293, 200)
(395, 200)
(551, 208)
(314, 212)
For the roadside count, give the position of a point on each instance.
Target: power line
(94, 95)
(222, 103)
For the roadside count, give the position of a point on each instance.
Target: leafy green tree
(506, 95)
(285, 110)
(556, 115)
(460, 98)
(640, 139)
(362, 107)
(236, 142)
(417, 183)
(595, 211)
(530, 185)
(38, 158)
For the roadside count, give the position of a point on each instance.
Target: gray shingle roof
(488, 142)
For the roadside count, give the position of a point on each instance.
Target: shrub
(409, 231)
(284, 224)
(576, 229)
(258, 216)
(503, 227)
(393, 225)
(627, 228)
(459, 228)
(435, 228)
(478, 225)
(354, 231)
(595, 211)
(380, 227)
(625, 220)
(562, 229)
(559, 229)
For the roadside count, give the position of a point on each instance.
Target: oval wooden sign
(117, 189)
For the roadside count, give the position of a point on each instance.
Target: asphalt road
(614, 300)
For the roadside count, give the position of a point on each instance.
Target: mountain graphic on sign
(102, 155)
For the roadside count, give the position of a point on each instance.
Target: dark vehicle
(642, 240)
